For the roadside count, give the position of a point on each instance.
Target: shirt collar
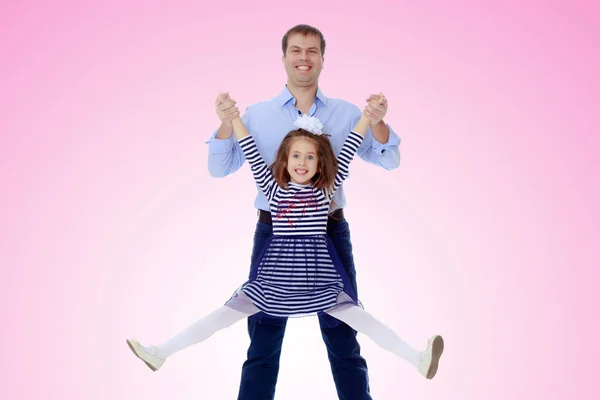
(285, 96)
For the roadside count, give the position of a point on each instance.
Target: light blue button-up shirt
(269, 121)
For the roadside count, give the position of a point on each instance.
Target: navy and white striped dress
(298, 272)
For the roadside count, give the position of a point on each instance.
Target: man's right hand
(226, 109)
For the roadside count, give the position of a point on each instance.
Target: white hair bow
(311, 124)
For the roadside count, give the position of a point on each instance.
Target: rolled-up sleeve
(224, 155)
(384, 155)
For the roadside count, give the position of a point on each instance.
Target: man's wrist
(225, 131)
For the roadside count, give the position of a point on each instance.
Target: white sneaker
(151, 360)
(431, 357)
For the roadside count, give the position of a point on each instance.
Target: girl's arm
(348, 151)
(262, 174)
(362, 125)
(239, 128)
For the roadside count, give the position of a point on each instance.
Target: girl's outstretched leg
(360, 320)
(155, 356)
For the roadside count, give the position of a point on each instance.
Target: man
(303, 49)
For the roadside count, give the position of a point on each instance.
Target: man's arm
(225, 131)
(384, 155)
(224, 153)
(381, 145)
(380, 132)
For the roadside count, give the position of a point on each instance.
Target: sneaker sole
(437, 348)
(132, 347)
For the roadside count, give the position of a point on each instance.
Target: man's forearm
(381, 132)
(225, 131)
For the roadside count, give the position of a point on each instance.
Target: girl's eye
(295, 156)
(310, 157)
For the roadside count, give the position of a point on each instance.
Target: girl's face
(302, 161)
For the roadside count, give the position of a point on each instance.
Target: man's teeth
(303, 68)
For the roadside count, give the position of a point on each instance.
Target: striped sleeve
(262, 174)
(346, 155)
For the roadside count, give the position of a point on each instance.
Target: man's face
(303, 60)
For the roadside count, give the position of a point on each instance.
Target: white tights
(365, 323)
(201, 330)
(357, 318)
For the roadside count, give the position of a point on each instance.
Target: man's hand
(226, 108)
(376, 108)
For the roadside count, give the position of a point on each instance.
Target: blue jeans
(349, 369)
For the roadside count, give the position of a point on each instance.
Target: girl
(298, 273)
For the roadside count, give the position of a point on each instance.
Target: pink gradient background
(110, 225)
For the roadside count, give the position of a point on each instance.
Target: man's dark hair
(304, 30)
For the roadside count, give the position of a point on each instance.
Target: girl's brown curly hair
(326, 160)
